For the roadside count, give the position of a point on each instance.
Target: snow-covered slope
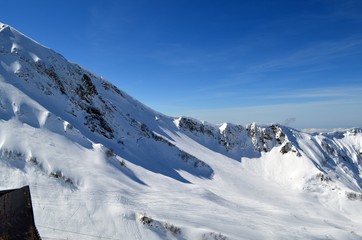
(102, 165)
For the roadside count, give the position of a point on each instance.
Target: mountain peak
(8, 31)
(99, 160)
(14, 42)
(2, 26)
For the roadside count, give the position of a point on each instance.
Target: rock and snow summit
(102, 165)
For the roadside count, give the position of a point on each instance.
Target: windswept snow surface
(102, 165)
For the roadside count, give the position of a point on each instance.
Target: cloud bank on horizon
(262, 61)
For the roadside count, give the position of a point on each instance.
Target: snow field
(102, 165)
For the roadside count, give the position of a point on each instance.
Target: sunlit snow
(102, 165)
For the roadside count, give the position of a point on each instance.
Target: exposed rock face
(95, 107)
(98, 158)
(236, 137)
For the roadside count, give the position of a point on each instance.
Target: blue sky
(291, 62)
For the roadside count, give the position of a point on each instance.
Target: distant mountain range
(102, 165)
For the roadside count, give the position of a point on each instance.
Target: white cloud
(321, 93)
(318, 53)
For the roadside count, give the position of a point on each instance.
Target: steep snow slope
(102, 165)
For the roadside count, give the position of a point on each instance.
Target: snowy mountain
(102, 165)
